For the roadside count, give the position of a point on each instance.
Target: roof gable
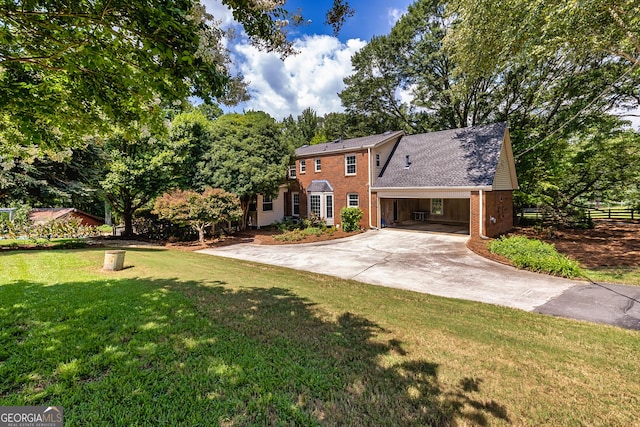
(341, 145)
(466, 157)
(44, 215)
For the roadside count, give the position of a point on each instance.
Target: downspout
(481, 216)
(371, 226)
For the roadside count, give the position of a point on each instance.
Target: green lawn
(187, 339)
(623, 275)
(67, 243)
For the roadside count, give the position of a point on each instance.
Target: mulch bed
(608, 244)
(259, 237)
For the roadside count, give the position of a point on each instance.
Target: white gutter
(480, 215)
(369, 186)
(480, 188)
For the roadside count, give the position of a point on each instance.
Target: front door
(321, 205)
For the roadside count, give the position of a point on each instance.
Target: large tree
(548, 99)
(138, 171)
(407, 79)
(492, 32)
(68, 67)
(248, 156)
(70, 178)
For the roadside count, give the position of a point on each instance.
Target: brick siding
(333, 171)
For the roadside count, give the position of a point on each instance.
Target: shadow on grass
(147, 352)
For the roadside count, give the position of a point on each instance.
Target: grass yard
(180, 338)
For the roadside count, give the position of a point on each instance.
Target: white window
(318, 165)
(328, 199)
(353, 201)
(303, 166)
(292, 171)
(314, 200)
(295, 204)
(436, 207)
(350, 164)
(267, 203)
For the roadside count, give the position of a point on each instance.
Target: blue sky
(313, 77)
(372, 17)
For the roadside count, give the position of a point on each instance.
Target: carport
(436, 211)
(459, 177)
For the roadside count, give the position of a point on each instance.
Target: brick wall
(499, 206)
(496, 204)
(333, 171)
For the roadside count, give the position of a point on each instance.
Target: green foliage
(294, 230)
(138, 171)
(534, 255)
(150, 226)
(314, 221)
(78, 63)
(67, 228)
(59, 178)
(465, 63)
(298, 234)
(486, 37)
(198, 210)
(247, 156)
(350, 218)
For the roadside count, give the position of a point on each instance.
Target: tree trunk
(127, 217)
(201, 233)
(244, 204)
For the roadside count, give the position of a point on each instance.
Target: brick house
(459, 176)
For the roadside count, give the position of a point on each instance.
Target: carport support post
(481, 214)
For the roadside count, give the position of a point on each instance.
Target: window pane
(267, 203)
(315, 204)
(329, 201)
(303, 166)
(353, 200)
(350, 162)
(296, 204)
(318, 165)
(436, 206)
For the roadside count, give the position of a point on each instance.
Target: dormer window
(407, 162)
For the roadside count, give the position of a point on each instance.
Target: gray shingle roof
(319, 186)
(466, 157)
(347, 144)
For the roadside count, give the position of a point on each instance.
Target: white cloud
(220, 13)
(312, 78)
(394, 15)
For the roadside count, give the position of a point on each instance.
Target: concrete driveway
(437, 264)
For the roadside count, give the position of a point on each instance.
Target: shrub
(314, 221)
(150, 226)
(535, 255)
(350, 218)
(66, 228)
